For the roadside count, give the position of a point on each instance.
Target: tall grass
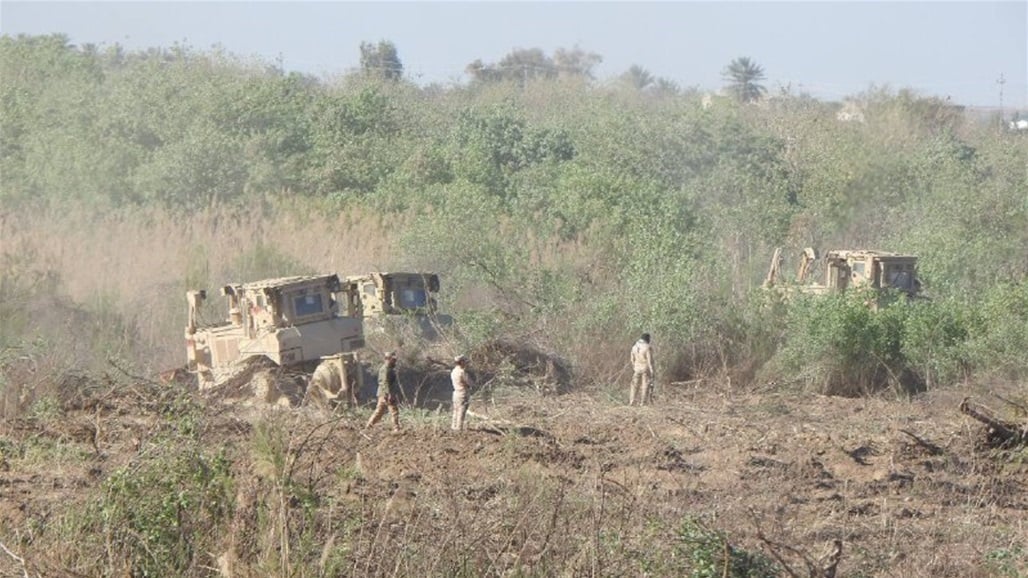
(89, 286)
(135, 263)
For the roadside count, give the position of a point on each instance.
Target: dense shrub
(566, 212)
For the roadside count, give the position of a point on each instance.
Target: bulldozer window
(899, 279)
(410, 298)
(305, 305)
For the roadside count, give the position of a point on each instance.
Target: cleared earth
(575, 484)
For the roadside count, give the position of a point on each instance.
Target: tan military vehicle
(395, 293)
(848, 269)
(278, 333)
(389, 299)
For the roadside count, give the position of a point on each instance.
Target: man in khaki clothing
(461, 384)
(388, 390)
(642, 371)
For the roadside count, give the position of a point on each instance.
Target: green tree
(665, 86)
(490, 147)
(381, 60)
(520, 66)
(524, 64)
(744, 76)
(354, 140)
(575, 62)
(638, 77)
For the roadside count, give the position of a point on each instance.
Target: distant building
(1019, 124)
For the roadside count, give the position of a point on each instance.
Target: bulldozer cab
(875, 270)
(850, 269)
(381, 294)
(288, 320)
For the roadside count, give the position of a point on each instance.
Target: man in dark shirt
(388, 391)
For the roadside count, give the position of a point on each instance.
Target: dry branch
(1000, 432)
(506, 427)
(927, 445)
(1020, 406)
(830, 563)
(18, 559)
(825, 567)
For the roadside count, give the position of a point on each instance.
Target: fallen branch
(1020, 406)
(824, 567)
(170, 374)
(618, 485)
(505, 427)
(486, 418)
(18, 559)
(1001, 432)
(932, 448)
(686, 426)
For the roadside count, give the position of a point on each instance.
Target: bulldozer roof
(388, 274)
(844, 253)
(287, 281)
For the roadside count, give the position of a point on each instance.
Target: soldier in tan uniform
(461, 385)
(388, 392)
(642, 371)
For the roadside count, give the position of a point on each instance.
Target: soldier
(642, 371)
(461, 384)
(388, 389)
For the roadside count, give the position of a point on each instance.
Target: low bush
(159, 516)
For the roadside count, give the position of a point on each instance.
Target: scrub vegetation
(565, 217)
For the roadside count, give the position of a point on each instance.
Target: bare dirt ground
(576, 484)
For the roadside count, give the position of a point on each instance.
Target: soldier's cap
(460, 359)
(390, 355)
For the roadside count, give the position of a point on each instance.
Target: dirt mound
(506, 363)
(424, 374)
(257, 381)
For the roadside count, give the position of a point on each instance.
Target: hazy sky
(828, 49)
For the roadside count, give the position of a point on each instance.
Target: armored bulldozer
(875, 271)
(387, 300)
(285, 340)
(395, 293)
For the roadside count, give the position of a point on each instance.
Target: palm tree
(743, 76)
